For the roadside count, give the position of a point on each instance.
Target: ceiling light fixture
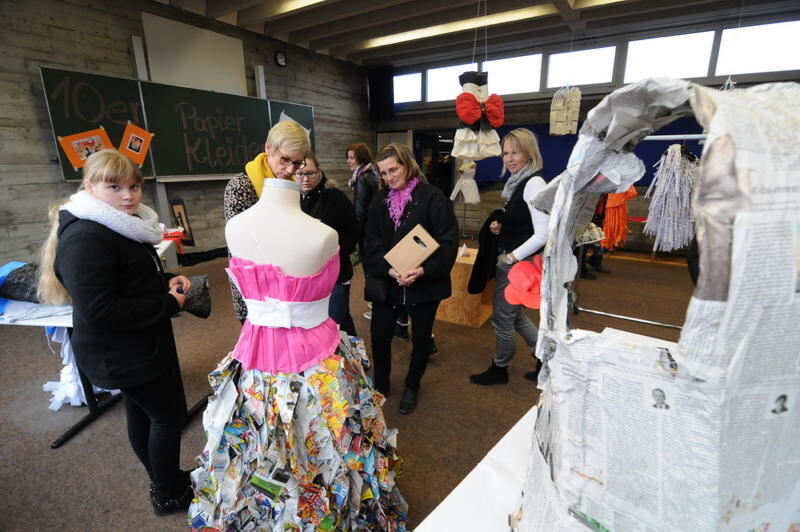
(461, 25)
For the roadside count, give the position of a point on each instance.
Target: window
(680, 56)
(765, 48)
(581, 68)
(408, 88)
(443, 82)
(514, 75)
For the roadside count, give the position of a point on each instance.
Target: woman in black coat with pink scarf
(406, 202)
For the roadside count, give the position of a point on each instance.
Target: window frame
(620, 60)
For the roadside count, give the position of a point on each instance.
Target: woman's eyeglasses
(303, 175)
(287, 161)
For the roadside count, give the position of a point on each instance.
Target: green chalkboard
(203, 132)
(303, 114)
(79, 102)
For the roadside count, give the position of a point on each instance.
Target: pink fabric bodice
(278, 349)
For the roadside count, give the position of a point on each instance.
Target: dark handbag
(21, 283)
(376, 289)
(198, 299)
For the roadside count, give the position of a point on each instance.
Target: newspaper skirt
(298, 451)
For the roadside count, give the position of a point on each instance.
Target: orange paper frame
(135, 143)
(80, 146)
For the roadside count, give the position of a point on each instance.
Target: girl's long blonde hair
(104, 166)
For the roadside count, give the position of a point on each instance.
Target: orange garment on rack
(615, 223)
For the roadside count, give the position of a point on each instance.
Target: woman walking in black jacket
(405, 202)
(100, 255)
(333, 208)
(521, 233)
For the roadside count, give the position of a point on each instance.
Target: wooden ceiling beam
(413, 23)
(382, 16)
(532, 15)
(272, 9)
(340, 11)
(220, 8)
(463, 40)
(458, 53)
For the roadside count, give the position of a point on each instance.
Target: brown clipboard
(412, 250)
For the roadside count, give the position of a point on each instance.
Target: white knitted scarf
(142, 226)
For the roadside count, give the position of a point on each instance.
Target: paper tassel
(670, 215)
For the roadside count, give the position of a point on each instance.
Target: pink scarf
(397, 200)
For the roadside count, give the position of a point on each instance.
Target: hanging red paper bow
(470, 110)
(524, 283)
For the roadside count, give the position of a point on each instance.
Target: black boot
(401, 331)
(493, 375)
(434, 349)
(534, 375)
(408, 402)
(165, 505)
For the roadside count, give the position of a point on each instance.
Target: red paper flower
(524, 283)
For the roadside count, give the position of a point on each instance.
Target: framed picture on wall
(79, 146)
(135, 143)
(182, 219)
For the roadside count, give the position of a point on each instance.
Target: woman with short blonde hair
(290, 135)
(285, 152)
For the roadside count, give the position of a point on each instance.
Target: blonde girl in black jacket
(100, 256)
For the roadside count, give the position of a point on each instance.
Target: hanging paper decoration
(466, 185)
(564, 110)
(669, 219)
(479, 113)
(135, 143)
(615, 220)
(79, 146)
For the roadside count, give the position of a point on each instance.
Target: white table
(165, 250)
(489, 493)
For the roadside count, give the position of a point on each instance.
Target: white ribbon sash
(286, 314)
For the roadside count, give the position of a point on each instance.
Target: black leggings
(156, 413)
(384, 317)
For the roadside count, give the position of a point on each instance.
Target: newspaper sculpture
(634, 433)
(564, 110)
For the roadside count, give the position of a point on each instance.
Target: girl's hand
(494, 227)
(175, 291)
(394, 274)
(182, 282)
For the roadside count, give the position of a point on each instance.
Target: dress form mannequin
(276, 231)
